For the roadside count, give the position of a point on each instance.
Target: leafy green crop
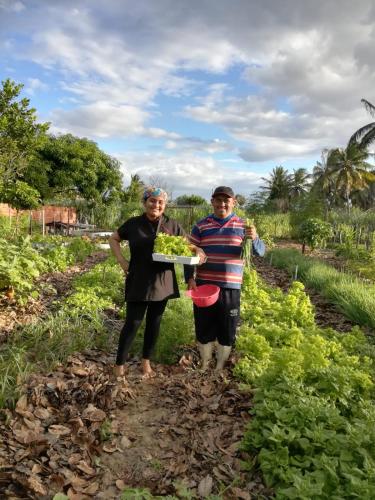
(313, 425)
(172, 245)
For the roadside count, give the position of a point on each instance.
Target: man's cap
(225, 190)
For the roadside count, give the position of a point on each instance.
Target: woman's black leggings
(135, 312)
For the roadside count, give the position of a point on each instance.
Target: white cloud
(100, 119)
(188, 173)
(193, 144)
(11, 5)
(306, 67)
(34, 84)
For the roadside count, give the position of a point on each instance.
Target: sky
(195, 94)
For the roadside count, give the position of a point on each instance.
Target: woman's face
(154, 207)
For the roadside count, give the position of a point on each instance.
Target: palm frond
(369, 107)
(358, 135)
(368, 138)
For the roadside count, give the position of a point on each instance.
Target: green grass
(354, 297)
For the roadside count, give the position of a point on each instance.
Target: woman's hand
(125, 266)
(191, 285)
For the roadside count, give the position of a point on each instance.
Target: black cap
(225, 190)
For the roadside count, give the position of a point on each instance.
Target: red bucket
(204, 295)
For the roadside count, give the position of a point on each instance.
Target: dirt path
(75, 430)
(52, 286)
(326, 314)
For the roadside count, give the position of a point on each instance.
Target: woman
(149, 285)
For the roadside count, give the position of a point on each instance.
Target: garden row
(313, 427)
(78, 324)
(23, 260)
(353, 296)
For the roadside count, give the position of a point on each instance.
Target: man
(221, 236)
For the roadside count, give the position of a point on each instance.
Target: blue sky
(196, 94)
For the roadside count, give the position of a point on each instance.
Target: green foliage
(315, 232)
(20, 265)
(76, 326)
(98, 289)
(80, 249)
(23, 261)
(20, 134)
(77, 168)
(355, 298)
(313, 415)
(21, 196)
(190, 200)
(172, 245)
(105, 431)
(305, 207)
(270, 226)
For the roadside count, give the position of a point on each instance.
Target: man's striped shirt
(221, 240)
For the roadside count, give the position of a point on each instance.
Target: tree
(299, 183)
(241, 200)
(349, 169)
(76, 168)
(21, 196)
(323, 182)
(20, 134)
(190, 199)
(365, 136)
(133, 193)
(278, 188)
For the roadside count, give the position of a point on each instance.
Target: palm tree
(299, 182)
(278, 188)
(365, 198)
(323, 181)
(349, 169)
(134, 191)
(366, 134)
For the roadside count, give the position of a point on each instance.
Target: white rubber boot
(205, 351)
(222, 355)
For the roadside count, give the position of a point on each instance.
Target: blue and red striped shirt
(221, 240)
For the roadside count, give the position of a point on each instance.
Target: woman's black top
(148, 280)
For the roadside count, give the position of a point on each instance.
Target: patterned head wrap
(154, 191)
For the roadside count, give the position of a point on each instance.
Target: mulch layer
(79, 432)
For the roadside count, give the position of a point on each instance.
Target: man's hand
(191, 285)
(202, 256)
(251, 232)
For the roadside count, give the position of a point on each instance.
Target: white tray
(178, 259)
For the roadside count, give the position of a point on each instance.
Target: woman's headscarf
(154, 191)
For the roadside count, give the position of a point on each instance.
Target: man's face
(223, 205)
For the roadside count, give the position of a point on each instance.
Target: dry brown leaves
(77, 431)
(183, 433)
(49, 443)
